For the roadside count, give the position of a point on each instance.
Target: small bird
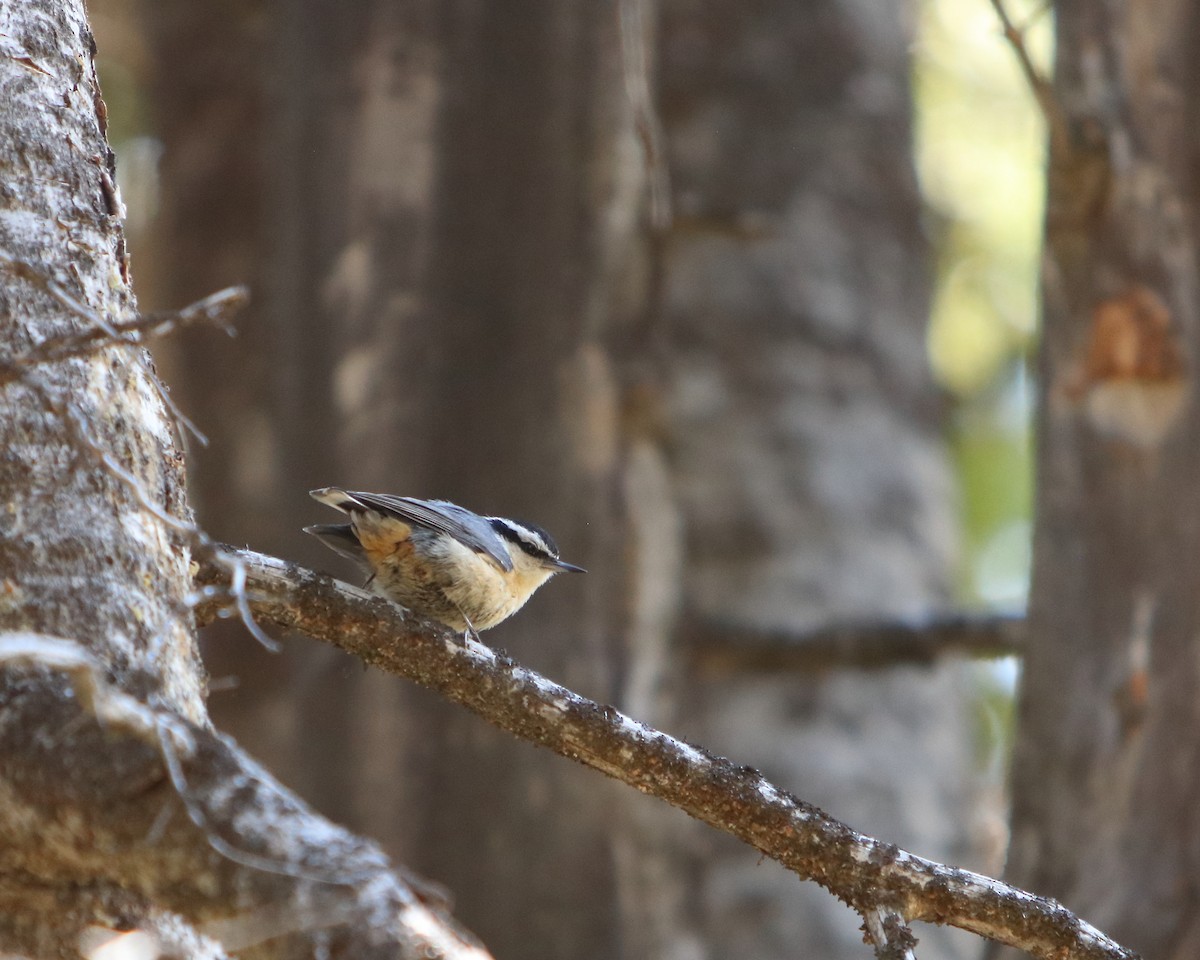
(439, 560)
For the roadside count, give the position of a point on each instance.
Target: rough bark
(1105, 781)
(119, 806)
(814, 482)
(68, 516)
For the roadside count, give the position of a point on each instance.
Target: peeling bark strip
(859, 870)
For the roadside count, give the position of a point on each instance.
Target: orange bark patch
(1131, 338)
(1132, 380)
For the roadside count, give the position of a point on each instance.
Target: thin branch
(863, 872)
(202, 546)
(205, 549)
(215, 309)
(889, 935)
(722, 648)
(1043, 92)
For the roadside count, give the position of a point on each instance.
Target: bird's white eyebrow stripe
(524, 536)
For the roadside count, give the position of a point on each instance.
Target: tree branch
(720, 647)
(889, 935)
(214, 309)
(865, 873)
(92, 789)
(1039, 86)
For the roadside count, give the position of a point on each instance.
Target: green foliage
(980, 154)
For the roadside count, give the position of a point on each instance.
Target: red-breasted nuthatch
(438, 559)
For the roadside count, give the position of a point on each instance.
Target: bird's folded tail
(340, 538)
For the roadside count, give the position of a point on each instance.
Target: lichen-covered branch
(865, 873)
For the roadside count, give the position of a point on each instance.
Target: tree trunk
(76, 539)
(453, 280)
(815, 484)
(120, 807)
(1105, 781)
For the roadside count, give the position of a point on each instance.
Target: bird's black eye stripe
(513, 533)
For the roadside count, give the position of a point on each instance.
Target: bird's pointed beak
(567, 567)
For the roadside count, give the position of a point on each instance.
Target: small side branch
(215, 309)
(889, 935)
(1043, 93)
(868, 874)
(723, 648)
(101, 332)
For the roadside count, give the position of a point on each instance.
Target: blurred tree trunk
(210, 75)
(443, 216)
(446, 204)
(1106, 767)
(815, 483)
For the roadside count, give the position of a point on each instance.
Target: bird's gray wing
(469, 529)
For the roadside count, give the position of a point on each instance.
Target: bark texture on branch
(865, 873)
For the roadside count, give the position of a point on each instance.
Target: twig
(1043, 93)
(863, 872)
(102, 332)
(215, 309)
(202, 546)
(722, 647)
(889, 935)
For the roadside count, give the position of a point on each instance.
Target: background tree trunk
(459, 298)
(454, 272)
(1105, 770)
(815, 483)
